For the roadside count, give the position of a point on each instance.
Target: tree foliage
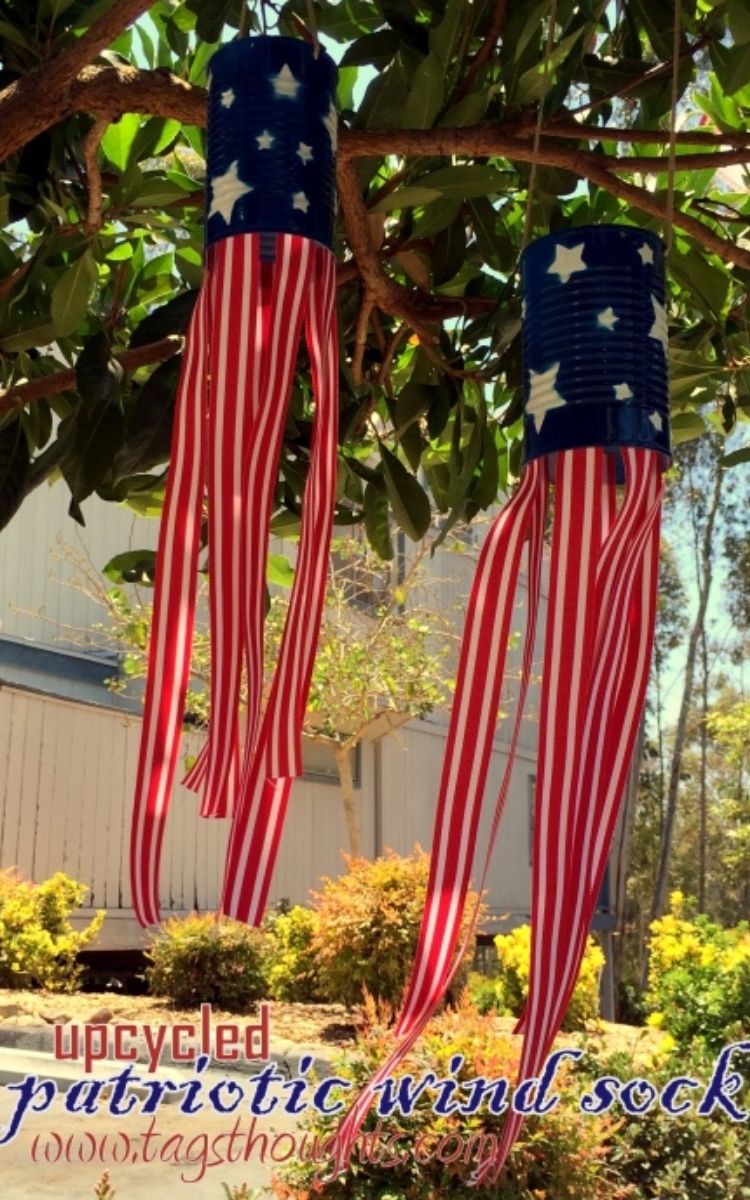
(103, 160)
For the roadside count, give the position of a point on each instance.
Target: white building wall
(67, 769)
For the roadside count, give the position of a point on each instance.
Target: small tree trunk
(703, 793)
(346, 783)
(705, 575)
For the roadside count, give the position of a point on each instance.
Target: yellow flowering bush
(368, 923)
(699, 977)
(506, 991)
(38, 945)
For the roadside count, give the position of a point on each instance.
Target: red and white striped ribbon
(466, 765)
(248, 321)
(172, 620)
(563, 893)
(276, 758)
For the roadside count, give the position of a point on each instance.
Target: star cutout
(285, 84)
(226, 190)
(622, 391)
(567, 260)
(300, 201)
(647, 254)
(265, 140)
(305, 152)
(656, 420)
(543, 394)
(608, 318)
(331, 122)
(659, 328)
(227, 98)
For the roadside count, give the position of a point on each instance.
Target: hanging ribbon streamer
(596, 415)
(270, 273)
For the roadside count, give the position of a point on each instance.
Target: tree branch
(93, 222)
(65, 381)
(486, 141)
(495, 29)
(39, 99)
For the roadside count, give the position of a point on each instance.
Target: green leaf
(375, 48)
(377, 520)
(14, 470)
(148, 422)
(171, 318)
(71, 293)
(686, 426)
(99, 376)
(449, 252)
(470, 110)
(212, 16)
(279, 570)
(533, 83)
(436, 216)
(118, 140)
(135, 566)
(405, 197)
(737, 456)
(409, 501)
(732, 66)
(426, 95)
(463, 182)
(739, 22)
(38, 333)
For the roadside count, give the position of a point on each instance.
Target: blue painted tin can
(595, 340)
(272, 124)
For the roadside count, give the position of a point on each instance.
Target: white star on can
(647, 254)
(567, 261)
(285, 84)
(265, 140)
(659, 328)
(607, 318)
(543, 394)
(226, 190)
(331, 122)
(623, 391)
(304, 152)
(300, 201)
(227, 98)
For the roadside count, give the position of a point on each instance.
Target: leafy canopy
(101, 195)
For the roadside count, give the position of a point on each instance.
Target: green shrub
(38, 945)
(368, 924)
(293, 966)
(559, 1155)
(505, 992)
(699, 978)
(688, 1157)
(197, 960)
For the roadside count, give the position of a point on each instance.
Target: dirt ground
(315, 1025)
(323, 1026)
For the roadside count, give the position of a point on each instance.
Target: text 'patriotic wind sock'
(270, 274)
(597, 443)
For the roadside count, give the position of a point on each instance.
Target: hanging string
(312, 22)
(538, 129)
(676, 37)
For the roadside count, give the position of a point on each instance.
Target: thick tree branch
(485, 141)
(40, 99)
(579, 131)
(65, 381)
